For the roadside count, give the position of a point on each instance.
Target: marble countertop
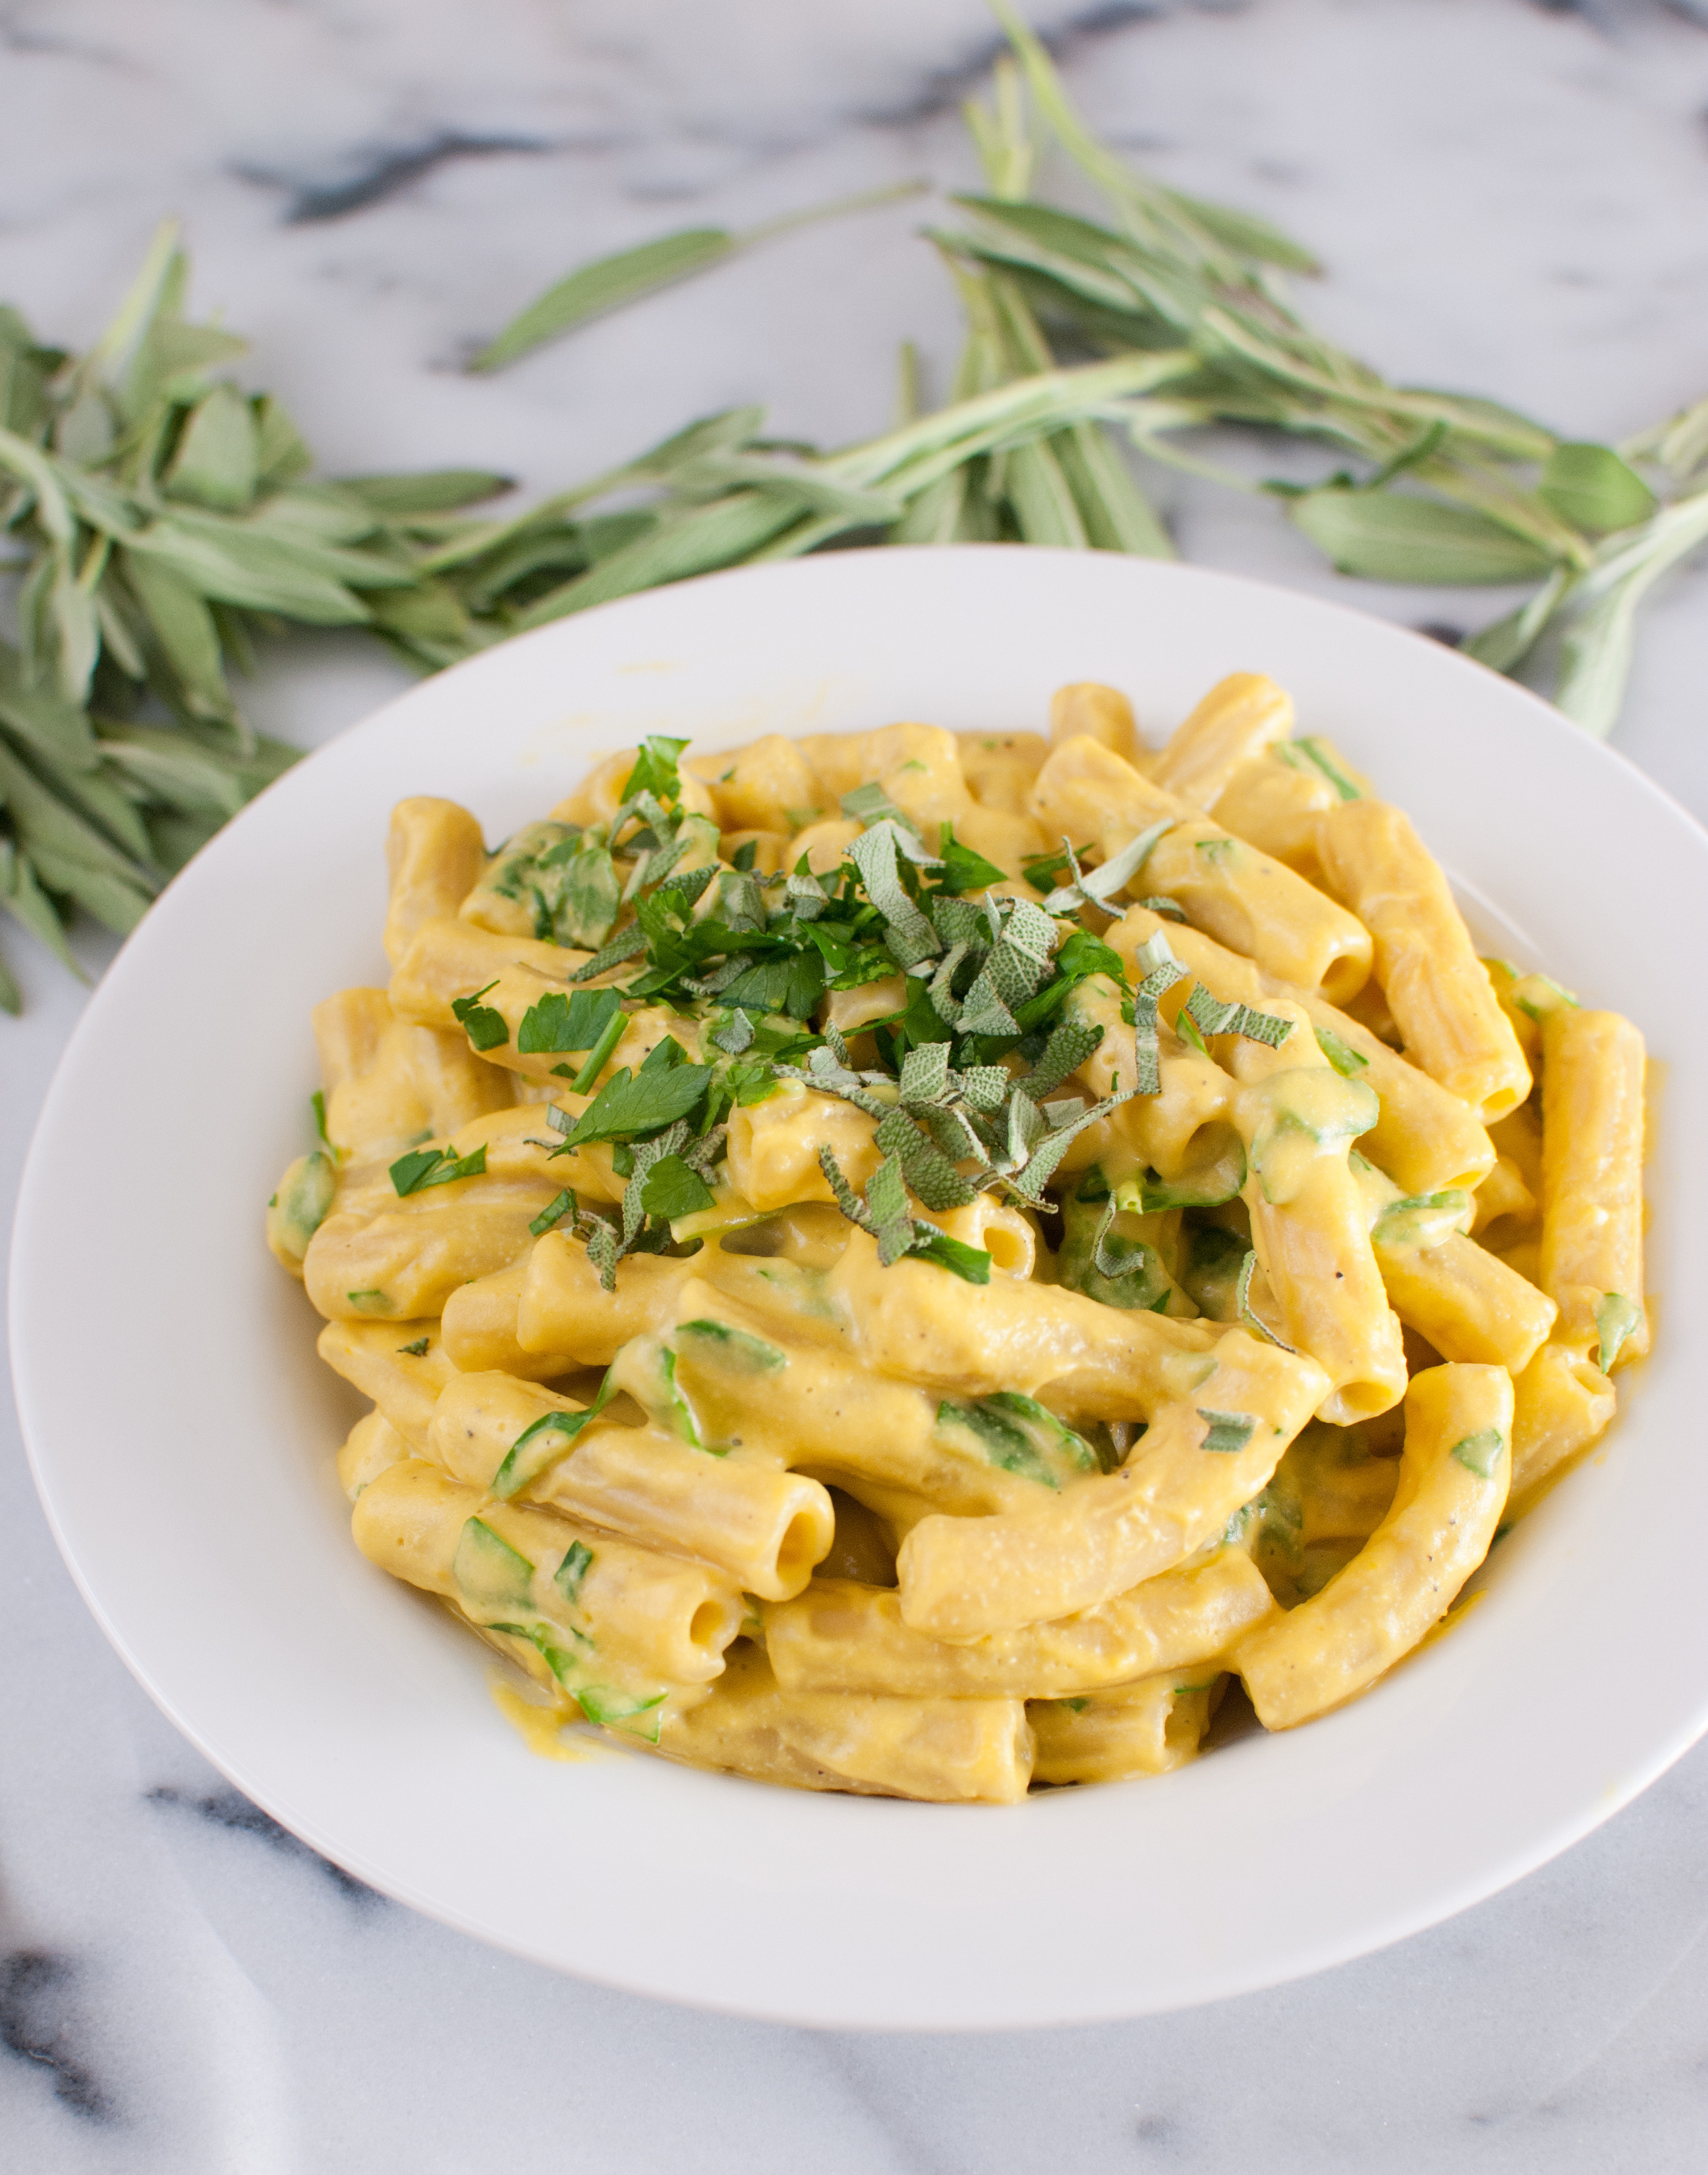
(1508, 197)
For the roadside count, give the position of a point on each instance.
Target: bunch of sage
(162, 521)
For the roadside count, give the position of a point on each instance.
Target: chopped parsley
(558, 1023)
(485, 1027)
(418, 1349)
(424, 1167)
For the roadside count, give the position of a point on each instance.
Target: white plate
(182, 1430)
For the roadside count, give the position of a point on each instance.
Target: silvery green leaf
(84, 432)
(429, 490)
(34, 469)
(25, 899)
(94, 794)
(244, 567)
(77, 635)
(910, 935)
(189, 779)
(218, 459)
(1595, 659)
(1045, 509)
(816, 492)
(1392, 536)
(1592, 488)
(183, 626)
(1117, 515)
(40, 715)
(1070, 1043)
(309, 514)
(1505, 644)
(695, 541)
(50, 830)
(933, 515)
(280, 454)
(605, 285)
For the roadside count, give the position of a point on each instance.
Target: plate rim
(1548, 1842)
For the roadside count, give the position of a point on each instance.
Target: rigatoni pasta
(882, 1262)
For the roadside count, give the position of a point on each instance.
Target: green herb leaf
(1345, 1059)
(631, 1105)
(488, 1573)
(1245, 1313)
(1392, 536)
(578, 1561)
(1213, 1017)
(1592, 488)
(1616, 1318)
(556, 1023)
(964, 870)
(550, 1216)
(605, 285)
(1480, 1453)
(672, 1188)
(542, 1443)
(485, 1028)
(1227, 1433)
(655, 769)
(424, 1167)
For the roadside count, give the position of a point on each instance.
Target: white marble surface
(1508, 197)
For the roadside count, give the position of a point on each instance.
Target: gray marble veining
(1508, 197)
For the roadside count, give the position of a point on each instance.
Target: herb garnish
(1226, 1432)
(424, 1167)
(484, 1026)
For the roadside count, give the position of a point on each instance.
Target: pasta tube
(999, 767)
(1199, 1461)
(615, 1616)
(1454, 1474)
(948, 1751)
(1423, 1136)
(1309, 1222)
(1087, 710)
(1592, 1259)
(1437, 988)
(774, 1147)
(1113, 1736)
(479, 1328)
(1468, 1303)
(388, 1082)
(402, 1365)
(451, 959)
(838, 1636)
(768, 785)
(1241, 896)
(1562, 1405)
(565, 1308)
(434, 858)
(766, 1527)
(814, 1405)
(371, 1445)
(1239, 717)
(1097, 1361)
(1274, 803)
(1177, 1129)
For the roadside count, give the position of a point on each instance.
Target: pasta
(913, 1264)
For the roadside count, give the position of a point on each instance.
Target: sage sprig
(162, 522)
